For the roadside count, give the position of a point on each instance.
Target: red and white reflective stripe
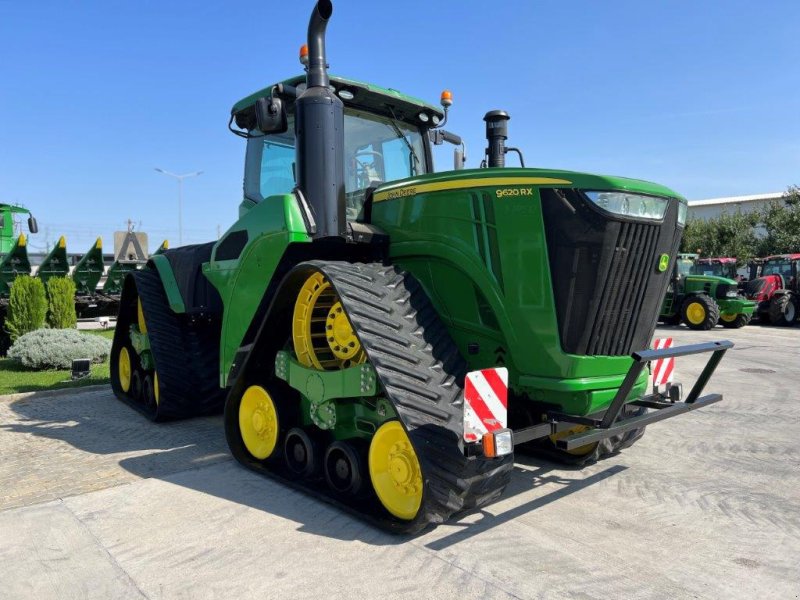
(485, 402)
(663, 367)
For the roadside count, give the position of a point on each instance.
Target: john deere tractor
(384, 335)
(700, 299)
(14, 259)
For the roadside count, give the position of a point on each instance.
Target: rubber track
(186, 353)
(421, 372)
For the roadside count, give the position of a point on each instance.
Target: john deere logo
(663, 263)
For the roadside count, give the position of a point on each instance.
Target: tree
(726, 235)
(61, 303)
(27, 306)
(781, 219)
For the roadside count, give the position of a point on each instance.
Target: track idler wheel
(395, 471)
(344, 468)
(302, 454)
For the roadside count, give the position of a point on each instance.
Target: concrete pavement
(96, 502)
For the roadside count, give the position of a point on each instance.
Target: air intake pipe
(496, 136)
(319, 131)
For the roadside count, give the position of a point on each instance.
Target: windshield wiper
(405, 139)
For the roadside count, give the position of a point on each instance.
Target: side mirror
(458, 159)
(271, 115)
(33, 226)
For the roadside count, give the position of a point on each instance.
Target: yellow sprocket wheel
(140, 317)
(322, 335)
(728, 318)
(155, 388)
(696, 313)
(395, 472)
(125, 369)
(258, 422)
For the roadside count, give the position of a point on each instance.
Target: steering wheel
(366, 173)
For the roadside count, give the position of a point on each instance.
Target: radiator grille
(606, 286)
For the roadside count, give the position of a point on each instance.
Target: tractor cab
(387, 138)
(785, 267)
(716, 267)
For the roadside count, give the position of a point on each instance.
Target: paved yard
(96, 502)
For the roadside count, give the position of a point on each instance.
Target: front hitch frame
(606, 424)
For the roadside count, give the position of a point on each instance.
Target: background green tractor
(14, 259)
(385, 335)
(701, 300)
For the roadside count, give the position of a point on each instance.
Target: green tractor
(384, 335)
(700, 298)
(14, 259)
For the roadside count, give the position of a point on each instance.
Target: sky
(701, 96)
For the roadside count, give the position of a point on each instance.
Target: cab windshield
(778, 267)
(715, 269)
(685, 266)
(377, 150)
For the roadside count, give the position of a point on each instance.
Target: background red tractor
(776, 291)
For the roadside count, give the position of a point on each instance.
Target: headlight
(732, 294)
(683, 208)
(630, 205)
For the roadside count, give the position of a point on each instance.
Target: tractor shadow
(194, 454)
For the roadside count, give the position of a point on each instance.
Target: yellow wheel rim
(155, 388)
(696, 313)
(258, 422)
(580, 450)
(125, 371)
(140, 317)
(322, 335)
(728, 318)
(395, 472)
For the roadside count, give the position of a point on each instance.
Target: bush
(61, 303)
(57, 348)
(27, 306)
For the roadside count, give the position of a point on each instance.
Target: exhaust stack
(319, 131)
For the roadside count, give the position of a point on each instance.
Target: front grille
(606, 284)
(723, 289)
(753, 288)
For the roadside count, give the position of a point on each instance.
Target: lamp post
(180, 179)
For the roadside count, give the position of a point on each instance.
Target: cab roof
(365, 95)
(795, 256)
(720, 260)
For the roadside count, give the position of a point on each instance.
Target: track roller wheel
(301, 453)
(137, 386)
(125, 369)
(395, 471)
(156, 391)
(149, 393)
(344, 467)
(258, 422)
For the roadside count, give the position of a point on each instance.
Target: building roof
(736, 199)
